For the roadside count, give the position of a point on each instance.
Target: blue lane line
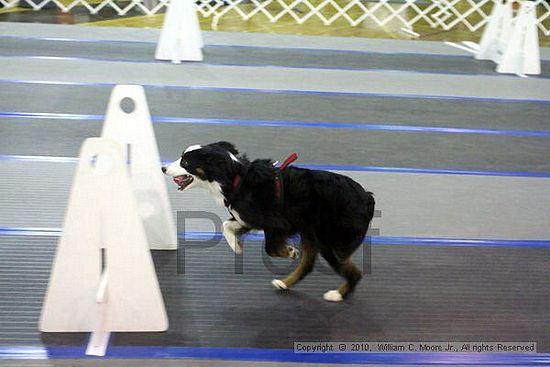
(30, 231)
(287, 91)
(392, 240)
(49, 116)
(275, 355)
(374, 240)
(430, 171)
(40, 159)
(102, 59)
(326, 167)
(288, 124)
(65, 39)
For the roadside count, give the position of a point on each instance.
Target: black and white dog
(330, 212)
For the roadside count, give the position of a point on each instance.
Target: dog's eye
(183, 162)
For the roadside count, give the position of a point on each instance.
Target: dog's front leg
(231, 231)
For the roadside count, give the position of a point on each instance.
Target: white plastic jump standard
(522, 56)
(180, 37)
(134, 130)
(103, 278)
(497, 32)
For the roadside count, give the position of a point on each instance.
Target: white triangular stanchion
(180, 37)
(134, 130)
(497, 32)
(103, 278)
(522, 56)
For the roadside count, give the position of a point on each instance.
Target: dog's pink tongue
(179, 180)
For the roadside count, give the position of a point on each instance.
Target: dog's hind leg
(276, 245)
(231, 231)
(309, 253)
(347, 270)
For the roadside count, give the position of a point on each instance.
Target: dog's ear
(227, 146)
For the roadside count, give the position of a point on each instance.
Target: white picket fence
(446, 14)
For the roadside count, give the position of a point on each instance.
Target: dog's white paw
(293, 252)
(236, 246)
(333, 296)
(279, 284)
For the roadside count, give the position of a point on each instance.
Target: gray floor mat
(175, 102)
(367, 148)
(258, 56)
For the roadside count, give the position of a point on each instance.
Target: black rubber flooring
(457, 293)
(258, 56)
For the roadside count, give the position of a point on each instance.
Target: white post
(116, 291)
(128, 121)
(497, 32)
(180, 37)
(522, 56)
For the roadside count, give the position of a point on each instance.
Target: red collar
(291, 158)
(236, 181)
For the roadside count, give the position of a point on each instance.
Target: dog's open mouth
(183, 181)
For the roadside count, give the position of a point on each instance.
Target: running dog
(330, 212)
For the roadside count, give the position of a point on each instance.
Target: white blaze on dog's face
(183, 178)
(210, 167)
